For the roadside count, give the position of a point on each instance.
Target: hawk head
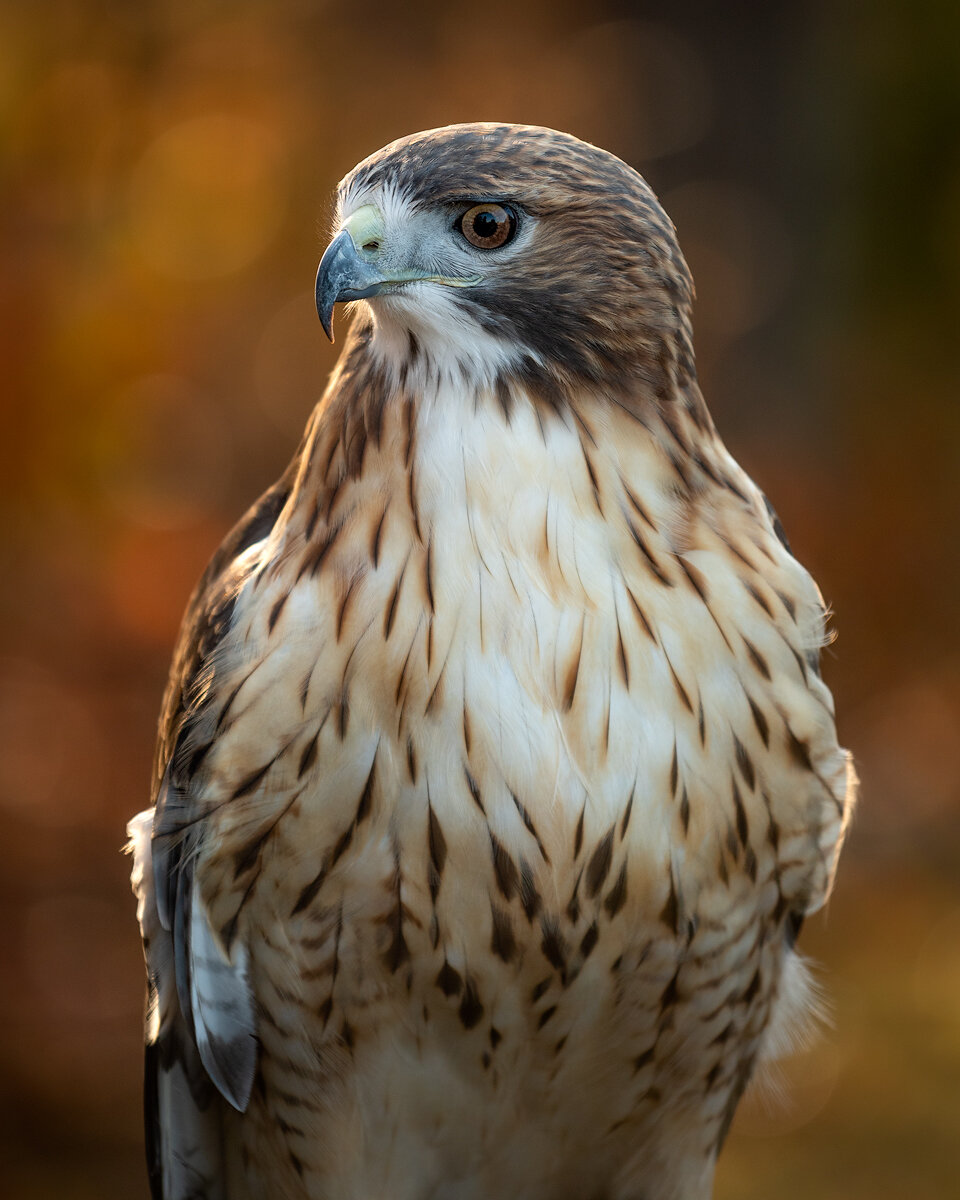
(514, 249)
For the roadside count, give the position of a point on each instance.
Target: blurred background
(166, 173)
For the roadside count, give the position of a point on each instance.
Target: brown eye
(488, 226)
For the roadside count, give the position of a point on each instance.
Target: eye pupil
(488, 226)
(485, 225)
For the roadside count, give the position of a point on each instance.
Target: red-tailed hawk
(495, 773)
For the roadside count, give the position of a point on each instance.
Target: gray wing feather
(201, 1047)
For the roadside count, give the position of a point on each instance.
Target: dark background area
(166, 174)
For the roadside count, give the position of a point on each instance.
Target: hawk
(495, 772)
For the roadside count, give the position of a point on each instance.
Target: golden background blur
(166, 173)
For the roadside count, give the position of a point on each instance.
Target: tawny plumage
(495, 773)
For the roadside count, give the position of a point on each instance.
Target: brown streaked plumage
(495, 773)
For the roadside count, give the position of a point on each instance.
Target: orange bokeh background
(166, 174)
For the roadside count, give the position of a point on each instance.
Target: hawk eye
(488, 226)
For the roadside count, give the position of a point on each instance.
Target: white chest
(503, 726)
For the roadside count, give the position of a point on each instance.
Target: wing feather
(201, 1049)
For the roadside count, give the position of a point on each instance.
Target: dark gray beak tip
(343, 275)
(325, 303)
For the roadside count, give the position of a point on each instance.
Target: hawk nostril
(371, 246)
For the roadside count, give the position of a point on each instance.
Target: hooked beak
(352, 267)
(348, 271)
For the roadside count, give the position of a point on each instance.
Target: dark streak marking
(315, 560)
(652, 563)
(224, 712)
(342, 613)
(276, 611)
(760, 721)
(546, 1015)
(578, 833)
(681, 690)
(573, 907)
(392, 605)
(742, 829)
(553, 946)
(309, 892)
(757, 659)
(745, 763)
(402, 677)
(529, 896)
(252, 781)
(642, 617)
(343, 842)
(504, 869)
(591, 436)
(366, 796)
(670, 913)
(343, 713)
(502, 942)
(758, 596)
(200, 752)
(471, 1010)
(591, 471)
(799, 751)
(398, 952)
(622, 653)
(529, 825)
(539, 990)
(311, 522)
(375, 544)
(428, 574)
(695, 579)
(305, 689)
(589, 941)
(731, 486)
(599, 866)
(737, 552)
(789, 604)
(626, 816)
(670, 992)
(474, 788)
(792, 927)
(643, 1059)
(466, 728)
(437, 690)
(573, 672)
(436, 842)
(449, 980)
(412, 497)
(504, 397)
(641, 511)
(617, 896)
